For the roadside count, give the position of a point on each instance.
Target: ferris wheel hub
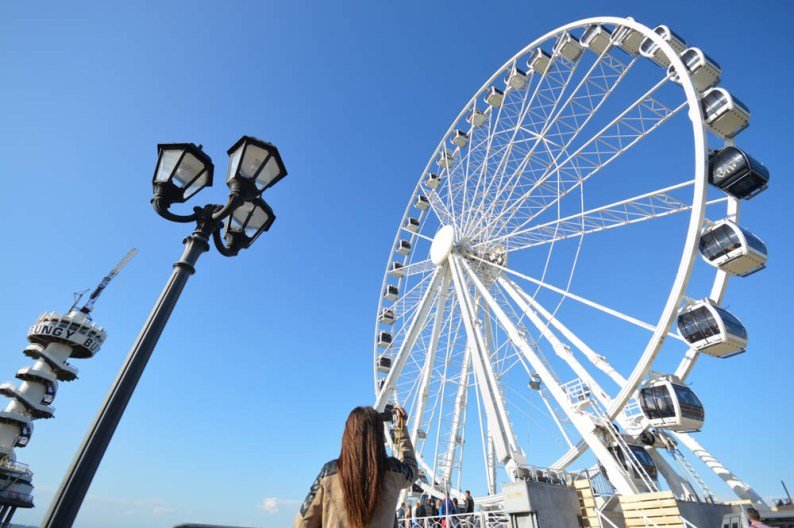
(442, 245)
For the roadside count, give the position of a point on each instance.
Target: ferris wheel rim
(698, 204)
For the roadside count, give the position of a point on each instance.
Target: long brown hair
(362, 464)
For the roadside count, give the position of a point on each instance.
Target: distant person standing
(419, 512)
(755, 519)
(406, 516)
(400, 514)
(446, 508)
(469, 505)
(455, 511)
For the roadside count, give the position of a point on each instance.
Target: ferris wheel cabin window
(698, 324)
(755, 243)
(645, 460)
(657, 403)
(732, 324)
(719, 242)
(689, 402)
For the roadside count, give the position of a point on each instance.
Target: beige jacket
(324, 506)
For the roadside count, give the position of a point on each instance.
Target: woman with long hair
(361, 488)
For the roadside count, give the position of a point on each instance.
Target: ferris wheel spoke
(450, 193)
(409, 301)
(430, 357)
(636, 122)
(415, 234)
(610, 73)
(586, 164)
(518, 134)
(439, 208)
(555, 82)
(579, 298)
(648, 206)
(416, 268)
(406, 391)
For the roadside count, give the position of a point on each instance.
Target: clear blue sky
(266, 353)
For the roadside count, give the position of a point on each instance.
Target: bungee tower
(53, 340)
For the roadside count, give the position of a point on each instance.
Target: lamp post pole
(66, 504)
(248, 216)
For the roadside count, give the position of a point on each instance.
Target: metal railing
(599, 483)
(482, 519)
(578, 392)
(547, 475)
(17, 467)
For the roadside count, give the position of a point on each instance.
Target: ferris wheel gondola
(703, 70)
(732, 249)
(737, 173)
(669, 404)
(711, 329)
(652, 50)
(726, 115)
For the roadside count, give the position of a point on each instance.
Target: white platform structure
(53, 339)
(595, 141)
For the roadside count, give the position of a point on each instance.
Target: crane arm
(89, 305)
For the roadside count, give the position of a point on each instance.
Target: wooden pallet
(657, 509)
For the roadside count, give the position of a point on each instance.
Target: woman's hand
(402, 416)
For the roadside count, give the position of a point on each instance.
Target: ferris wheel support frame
(583, 422)
(678, 484)
(680, 487)
(739, 487)
(499, 424)
(459, 409)
(562, 350)
(427, 369)
(595, 359)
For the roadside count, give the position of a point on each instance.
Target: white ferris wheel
(544, 297)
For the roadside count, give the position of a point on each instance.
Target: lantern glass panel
(240, 216)
(187, 171)
(269, 173)
(253, 159)
(234, 162)
(168, 160)
(198, 184)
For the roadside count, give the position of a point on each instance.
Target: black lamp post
(183, 170)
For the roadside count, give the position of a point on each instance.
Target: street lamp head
(254, 165)
(183, 169)
(247, 222)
